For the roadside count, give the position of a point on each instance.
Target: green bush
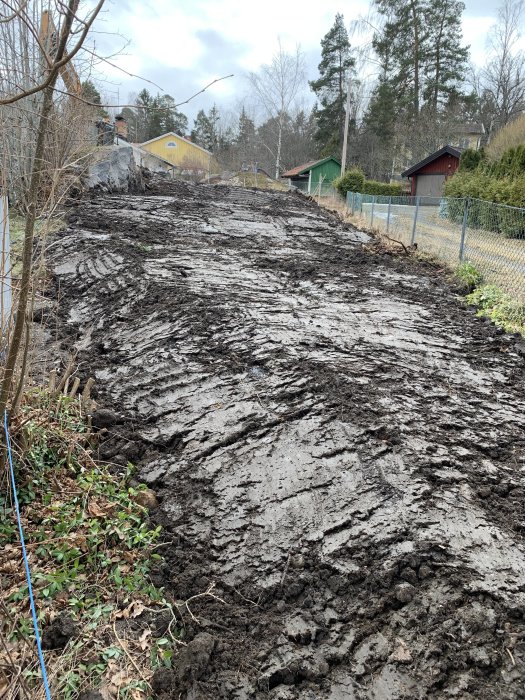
(469, 275)
(502, 309)
(351, 181)
(384, 189)
(470, 159)
(354, 181)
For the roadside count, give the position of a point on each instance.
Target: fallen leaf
(143, 639)
(134, 609)
(401, 653)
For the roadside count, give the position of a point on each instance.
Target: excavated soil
(335, 440)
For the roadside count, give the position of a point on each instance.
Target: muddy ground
(336, 442)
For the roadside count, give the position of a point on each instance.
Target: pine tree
(245, 141)
(205, 131)
(91, 94)
(446, 59)
(420, 50)
(331, 87)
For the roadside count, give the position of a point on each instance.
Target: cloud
(183, 46)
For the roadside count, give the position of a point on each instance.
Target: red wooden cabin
(428, 176)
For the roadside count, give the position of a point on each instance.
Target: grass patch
(502, 309)
(91, 549)
(16, 235)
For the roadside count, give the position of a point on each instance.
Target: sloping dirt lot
(336, 443)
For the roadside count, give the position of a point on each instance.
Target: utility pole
(347, 123)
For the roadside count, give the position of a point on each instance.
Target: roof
(446, 150)
(177, 136)
(301, 169)
(471, 128)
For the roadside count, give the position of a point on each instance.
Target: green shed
(307, 177)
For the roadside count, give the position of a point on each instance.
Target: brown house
(428, 176)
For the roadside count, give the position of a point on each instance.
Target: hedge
(354, 181)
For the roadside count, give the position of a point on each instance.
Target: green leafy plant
(503, 310)
(469, 275)
(92, 543)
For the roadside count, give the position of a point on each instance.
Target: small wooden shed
(307, 177)
(427, 177)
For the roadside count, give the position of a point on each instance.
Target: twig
(398, 242)
(207, 593)
(511, 657)
(137, 669)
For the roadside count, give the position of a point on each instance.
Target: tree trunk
(27, 253)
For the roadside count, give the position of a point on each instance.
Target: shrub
(354, 181)
(470, 159)
(384, 189)
(351, 181)
(504, 311)
(469, 275)
(509, 136)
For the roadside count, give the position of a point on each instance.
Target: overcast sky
(183, 45)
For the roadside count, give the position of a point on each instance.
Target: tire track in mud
(335, 442)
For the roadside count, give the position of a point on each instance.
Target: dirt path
(335, 441)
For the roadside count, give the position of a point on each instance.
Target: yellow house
(181, 153)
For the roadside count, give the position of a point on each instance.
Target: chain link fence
(490, 236)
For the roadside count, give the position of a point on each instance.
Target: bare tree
(503, 77)
(31, 70)
(276, 87)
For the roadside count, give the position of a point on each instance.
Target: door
(430, 185)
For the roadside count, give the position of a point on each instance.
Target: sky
(182, 45)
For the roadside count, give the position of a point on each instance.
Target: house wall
(328, 171)
(184, 154)
(444, 165)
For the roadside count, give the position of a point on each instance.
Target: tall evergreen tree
(446, 59)
(205, 129)
(245, 141)
(331, 87)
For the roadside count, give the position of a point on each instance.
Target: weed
(503, 310)
(469, 275)
(89, 544)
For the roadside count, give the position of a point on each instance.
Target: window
(172, 144)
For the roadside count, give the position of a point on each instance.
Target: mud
(334, 439)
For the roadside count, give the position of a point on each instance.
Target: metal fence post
(388, 214)
(372, 211)
(353, 203)
(464, 230)
(414, 225)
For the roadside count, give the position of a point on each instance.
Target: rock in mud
(405, 592)
(146, 498)
(58, 633)
(193, 660)
(104, 418)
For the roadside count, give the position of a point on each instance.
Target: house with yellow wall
(181, 153)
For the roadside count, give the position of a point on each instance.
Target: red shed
(428, 176)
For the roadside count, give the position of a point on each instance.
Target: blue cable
(26, 563)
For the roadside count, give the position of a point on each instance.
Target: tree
(153, 116)
(445, 59)
(91, 94)
(276, 87)
(503, 77)
(245, 141)
(205, 129)
(21, 79)
(331, 87)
